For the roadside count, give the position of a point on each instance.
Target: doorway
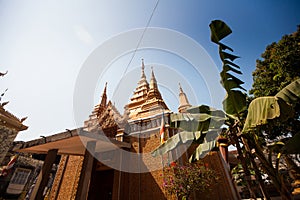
(101, 185)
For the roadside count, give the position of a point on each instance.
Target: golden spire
(180, 89)
(146, 97)
(143, 70)
(153, 93)
(103, 103)
(140, 93)
(143, 80)
(183, 101)
(104, 96)
(153, 82)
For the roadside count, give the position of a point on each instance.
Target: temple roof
(146, 100)
(140, 94)
(72, 142)
(9, 120)
(105, 116)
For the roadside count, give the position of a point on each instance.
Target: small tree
(183, 180)
(278, 66)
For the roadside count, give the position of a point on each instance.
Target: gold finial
(180, 88)
(143, 69)
(104, 91)
(143, 65)
(152, 71)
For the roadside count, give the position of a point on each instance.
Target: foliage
(200, 125)
(239, 175)
(183, 180)
(279, 66)
(268, 113)
(291, 93)
(277, 74)
(267, 110)
(234, 103)
(261, 112)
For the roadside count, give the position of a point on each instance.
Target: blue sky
(44, 45)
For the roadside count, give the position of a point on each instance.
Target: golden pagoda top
(146, 100)
(183, 101)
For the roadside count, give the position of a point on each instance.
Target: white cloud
(83, 34)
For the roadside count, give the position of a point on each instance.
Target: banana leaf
(196, 122)
(200, 124)
(291, 93)
(203, 149)
(183, 137)
(263, 109)
(234, 103)
(219, 30)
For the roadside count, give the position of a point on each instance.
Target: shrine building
(110, 157)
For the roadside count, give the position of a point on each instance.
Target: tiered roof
(146, 100)
(104, 116)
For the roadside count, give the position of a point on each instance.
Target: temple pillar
(43, 177)
(86, 171)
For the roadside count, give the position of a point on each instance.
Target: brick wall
(146, 185)
(67, 177)
(7, 136)
(149, 185)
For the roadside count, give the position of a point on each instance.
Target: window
(20, 176)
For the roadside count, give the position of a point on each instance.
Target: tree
(279, 66)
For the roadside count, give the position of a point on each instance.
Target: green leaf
(225, 56)
(219, 30)
(226, 76)
(173, 142)
(200, 109)
(291, 93)
(198, 127)
(227, 68)
(231, 63)
(203, 149)
(231, 84)
(260, 111)
(206, 109)
(234, 102)
(224, 47)
(196, 122)
(263, 110)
